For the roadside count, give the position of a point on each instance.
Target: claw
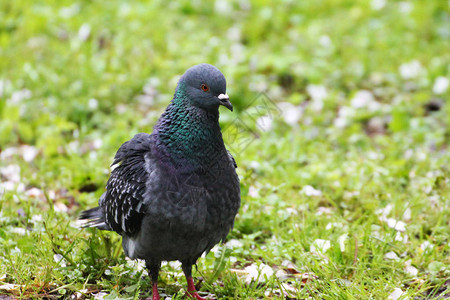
(192, 292)
(194, 295)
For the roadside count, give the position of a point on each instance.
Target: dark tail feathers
(94, 218)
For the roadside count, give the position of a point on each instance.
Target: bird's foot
(155, 295)
(192, 292)
(194, 295)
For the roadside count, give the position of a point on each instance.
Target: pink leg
(192, 292)
(155, 291)
(153, 270)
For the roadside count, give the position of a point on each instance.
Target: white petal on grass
(411, 69)
(396, 294)
(223, 7)
(253, 191)
(99, 295)
(28, 152)
(234, 243)
(291, 211)
(36, 219)
(320, 246)
(321, 210)
(401, 238)
(425, 246)
(391, 255)
(341, 241)
(384, 211)
(93, 104)
(11, 173)
(290, 113)
(411, 270)
(310, 191)
(35, 193)
(317, 92)
(4, 85)
(377, 4)
(60, 207)
(234, 33)
(333, 224)
(282, 274)
(407, 214)
(97, 143)
(440, 85)
(397, 225)
(405, 7)
(365, 99)
(8, 153)
(18, 96)
(9, 286)
(7, 186)
(325, 41)
(84, 32)
(340, 122)
(259, 273)
(264, 122)
(18, 230)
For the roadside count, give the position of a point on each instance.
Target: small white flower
(18, 96)
(99, 295)
(378, 4)
(410, 269)
(234, 33)
(310, 191)
(84, 32)
(35, 193)
(234, 243)
(93, 104)
(11, 173)
(440, 85)
(365, 99)
(397, 225)
(290, 113)
(384, 211)
(407, 214)
(97, 143)
(253, 191)
(325, 41)
(341, 241)
(391, 255)
(411, 69)
(18, 230)
(317, 92)
(222, 7)
(405, 7)
(259, 273)
(320, 246)
(28, 152)
(36, 218)
(264, 122)
(396, 294)
(425, 246)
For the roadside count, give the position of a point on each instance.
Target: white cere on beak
(223, 97)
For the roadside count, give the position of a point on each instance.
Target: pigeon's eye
(205, 88)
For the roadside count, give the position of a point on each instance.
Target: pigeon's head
(205, 87)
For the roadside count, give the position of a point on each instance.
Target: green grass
(378, 162)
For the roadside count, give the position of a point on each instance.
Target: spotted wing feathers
(123, 199)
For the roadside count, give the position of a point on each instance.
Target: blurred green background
(344, 170)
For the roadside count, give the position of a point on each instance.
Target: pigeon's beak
(225, 101)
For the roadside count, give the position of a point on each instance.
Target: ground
(340, 131)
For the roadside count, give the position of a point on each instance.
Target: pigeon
(174, 194)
